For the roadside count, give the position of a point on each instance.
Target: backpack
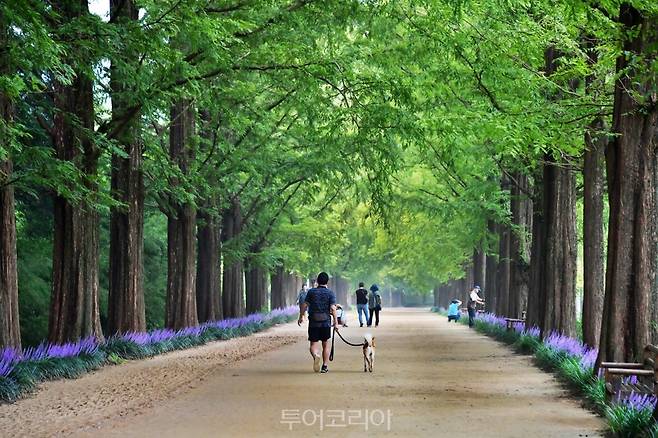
(378, 301)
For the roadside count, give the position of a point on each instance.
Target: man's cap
(477, 287)
(374, 287)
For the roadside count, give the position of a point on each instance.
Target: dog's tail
(368, 338)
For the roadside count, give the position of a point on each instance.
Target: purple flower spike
(8, 358)
(638, 402)
(533, 331)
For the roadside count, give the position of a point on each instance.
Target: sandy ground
(430, 379)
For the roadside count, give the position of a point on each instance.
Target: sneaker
(316, 363)
(325, 369)
(361, 325)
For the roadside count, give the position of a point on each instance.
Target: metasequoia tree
(10, 335)
(126, 312)
(74, 303)
(181, 306)
(631, 173)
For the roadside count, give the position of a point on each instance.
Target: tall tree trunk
(593, 255)
(181, 226)
(491, 267)
(593, 251)
(208, 267)
(479, 268)
(341, 285)
(450, 293)
(453, 291)
(503, 276)
(558, 290)
(464, 286)
(444, 291)
(74, 309)
(536, 291)
(10, 334)
(519, 252)
(256, 288)
(291, 288)
(631, 264)
(126, 310)
(278, 298)
(467, 281)
(233, 284)
(436, 293)
(559, 311)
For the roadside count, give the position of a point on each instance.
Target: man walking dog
(321, 304)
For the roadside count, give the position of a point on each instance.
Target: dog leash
(349, 343)
(333, 337)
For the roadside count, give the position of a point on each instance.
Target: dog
(368, 352)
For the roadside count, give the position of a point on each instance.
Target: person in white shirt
(473, 300)
(342, 320)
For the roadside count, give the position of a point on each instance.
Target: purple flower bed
(10, 356)
(164, 335)
(572, 347)
(496, 326)
(555, 343)
(492, 319)
(87, 345)
(21, 370)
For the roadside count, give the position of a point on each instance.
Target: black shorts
(316, 334)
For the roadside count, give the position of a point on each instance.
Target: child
(341, 315)
(453, 310)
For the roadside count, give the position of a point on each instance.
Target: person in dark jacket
(362, 303)
(374, 304)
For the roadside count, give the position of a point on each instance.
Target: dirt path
(430, 379)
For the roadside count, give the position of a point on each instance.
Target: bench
(512, 321)
(622, 378)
